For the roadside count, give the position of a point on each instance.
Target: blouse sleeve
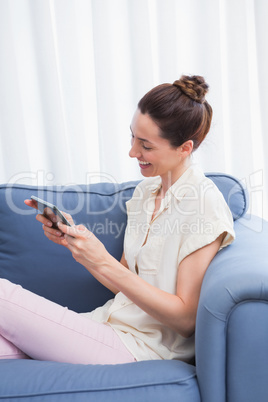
(207, 227)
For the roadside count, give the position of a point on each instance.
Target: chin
(146, 173)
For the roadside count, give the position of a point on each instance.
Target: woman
(177, 222)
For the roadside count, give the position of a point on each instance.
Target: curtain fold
(72, 73)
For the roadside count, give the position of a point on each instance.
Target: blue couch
(232, 322)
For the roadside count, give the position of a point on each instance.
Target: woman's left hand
(84, 246)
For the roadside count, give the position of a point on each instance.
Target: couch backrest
(29, 259)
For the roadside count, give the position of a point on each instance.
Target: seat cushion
(158, 381)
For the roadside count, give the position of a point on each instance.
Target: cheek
(169, 160)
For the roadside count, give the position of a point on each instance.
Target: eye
(146, 148)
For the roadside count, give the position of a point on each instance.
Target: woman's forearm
(100, 278)
(165, 307)
(107, 283)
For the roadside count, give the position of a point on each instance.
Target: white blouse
(192, 214)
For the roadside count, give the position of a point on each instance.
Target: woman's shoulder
(199, 193)
(203, 184)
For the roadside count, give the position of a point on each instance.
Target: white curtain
(72, 72)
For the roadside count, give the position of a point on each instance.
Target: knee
(6, 287)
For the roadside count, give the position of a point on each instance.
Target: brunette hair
(180, 110)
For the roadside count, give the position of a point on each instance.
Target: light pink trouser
(32, 326)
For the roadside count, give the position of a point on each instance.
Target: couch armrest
(232, 319)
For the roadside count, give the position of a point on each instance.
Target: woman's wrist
(112, 270)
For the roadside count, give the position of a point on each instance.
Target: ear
(186, 148)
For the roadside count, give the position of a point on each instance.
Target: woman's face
(155, 155)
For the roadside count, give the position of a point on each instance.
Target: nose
(134, 150)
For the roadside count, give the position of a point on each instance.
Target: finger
(57, 239)
(41, 218)
(68, 217)
(71, 241)
(74, 231)
(52, 232)
(31, 203)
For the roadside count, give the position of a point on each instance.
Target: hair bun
(195, 87)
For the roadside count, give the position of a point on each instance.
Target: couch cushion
(157, 381)
(28, 258)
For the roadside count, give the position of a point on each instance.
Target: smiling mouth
(144, 163)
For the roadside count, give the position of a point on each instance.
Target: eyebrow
(141, 139)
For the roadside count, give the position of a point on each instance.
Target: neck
(171, 177)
